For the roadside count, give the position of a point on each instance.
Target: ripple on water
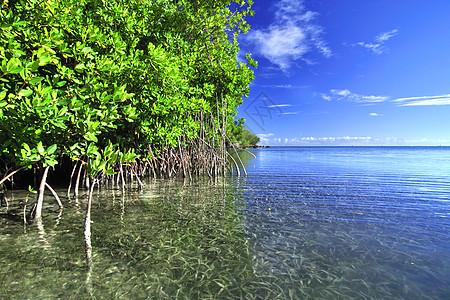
(352, 225)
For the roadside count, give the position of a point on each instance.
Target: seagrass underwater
(306, 222)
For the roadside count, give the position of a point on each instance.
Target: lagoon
(305, 223)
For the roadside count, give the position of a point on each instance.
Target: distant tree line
(241, 136)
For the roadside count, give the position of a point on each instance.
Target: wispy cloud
(375, 115)
(291, 36)
(337, 139)
(383, 37)
(290, 113)
(265, 135)
(346, 95)
(424, 101)
(285, 86)
(279, 105)
(377, 46)
(282, 106)
(271, 139)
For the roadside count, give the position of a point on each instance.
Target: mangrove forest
(112, 91)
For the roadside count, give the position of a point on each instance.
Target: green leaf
(16, 70)
(23, 74)
(35, 66)
(24, 153)
(61, 83)
(86, 50)
(80, 67)
(113, 158)
(102, 166)
(41, 149)
(89, 136)
(52, 149)
(13, 66)
(31, 190)
(110, 172)
(35, 80)
(44, 61)
(35, 157)
(91, 149)
(25, 93)
(49, 161)
(19, 23)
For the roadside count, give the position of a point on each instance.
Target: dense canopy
(106, 82)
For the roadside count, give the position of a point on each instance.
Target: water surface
(173, 239)
(306, 223)
(352, 222)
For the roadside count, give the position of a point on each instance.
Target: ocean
(351, 222)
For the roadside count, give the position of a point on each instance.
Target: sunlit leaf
(52, 149)
(25, 92)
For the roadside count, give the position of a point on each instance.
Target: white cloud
(265, 135)
(326, 97)
(383, 37)
(265, 138)
(375, 115)
(334, 139)
(272, 140)
(343, 93)
(424, 101)
(331, 141)
(377, 46)
(290, 113)
(346, 95)
(279, 105)
(284, 86)
(281, 45)
(290, 37)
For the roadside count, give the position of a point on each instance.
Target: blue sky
(349, 72)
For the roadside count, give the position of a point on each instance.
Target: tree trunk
(123, 180)
(11, 174)
(71, 178)
(87, 227)
(54, 195)
(40, 198)
(87, 239)
(77, 183)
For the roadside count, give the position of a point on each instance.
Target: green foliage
(249, 138)
(77, 76)
(239, 135)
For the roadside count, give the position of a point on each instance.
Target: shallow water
(306, 223)
(171, 240)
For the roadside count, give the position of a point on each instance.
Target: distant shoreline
(350, 146)
(250, 146)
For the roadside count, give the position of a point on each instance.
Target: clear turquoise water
(306, 223)
(351, 222)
